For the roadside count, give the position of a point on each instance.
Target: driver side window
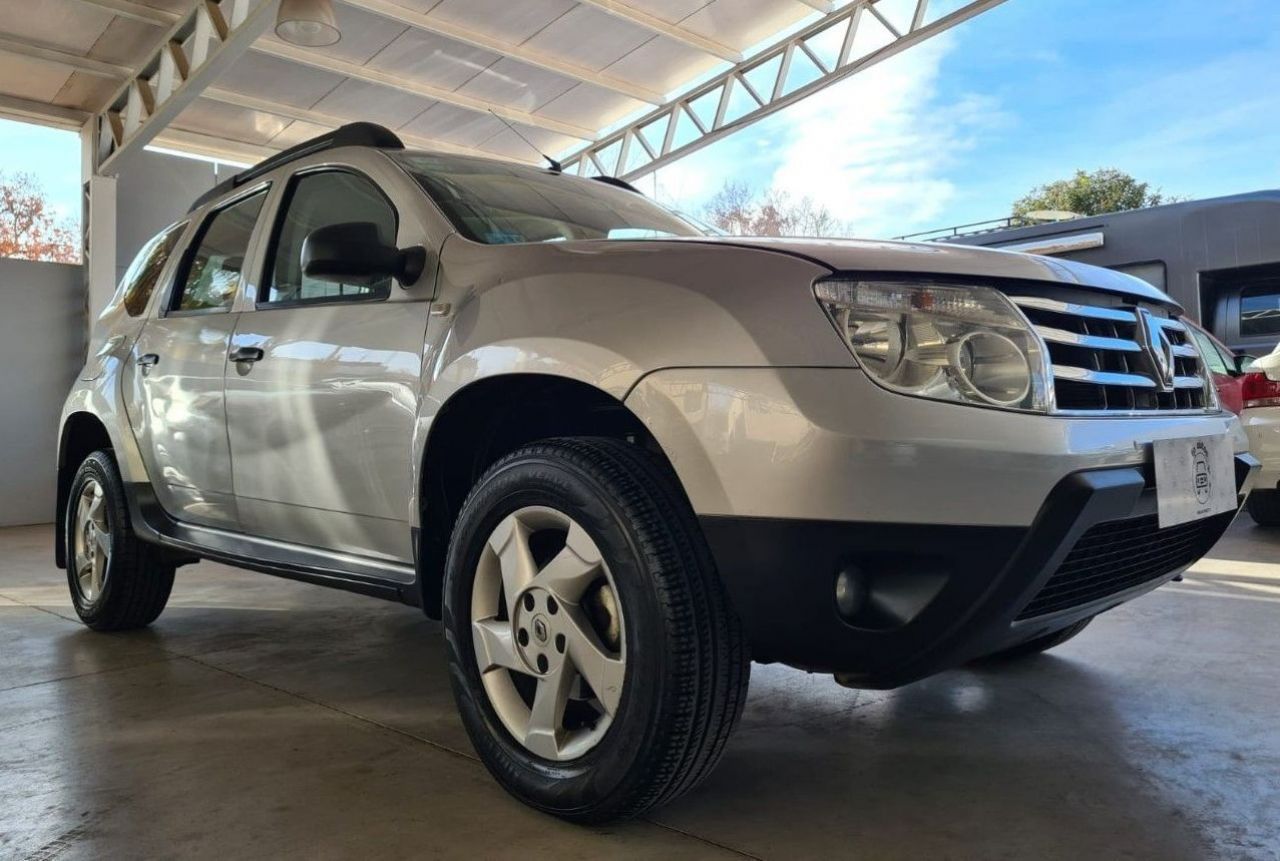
(315, 200)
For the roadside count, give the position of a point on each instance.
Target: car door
(321, 410)
(174, 382)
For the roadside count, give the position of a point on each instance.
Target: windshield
(497, 203)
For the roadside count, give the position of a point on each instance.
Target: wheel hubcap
(547, 628)
(91, 537)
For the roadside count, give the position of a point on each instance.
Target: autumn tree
(28, 228)
(736, 208)
(1102, 191)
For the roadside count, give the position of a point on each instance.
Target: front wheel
(117, 581)
(597, 664)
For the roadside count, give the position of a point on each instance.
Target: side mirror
(353, 253)
(1244, 363)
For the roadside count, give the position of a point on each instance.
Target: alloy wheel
(91, 537)
(547, 627)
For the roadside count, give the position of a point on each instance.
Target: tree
(1104, 190)
(28, 229)
(737, 209)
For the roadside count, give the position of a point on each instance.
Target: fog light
(851, 592)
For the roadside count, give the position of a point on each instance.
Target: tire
(133, 580)
(1038, 645)
(1264, 507)
(684, 660)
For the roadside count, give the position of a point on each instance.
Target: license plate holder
(1195, 478)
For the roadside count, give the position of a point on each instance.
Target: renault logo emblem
(1155, 341)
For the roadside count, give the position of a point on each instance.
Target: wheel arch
(487, 419)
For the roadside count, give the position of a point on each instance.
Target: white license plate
(1195, 478)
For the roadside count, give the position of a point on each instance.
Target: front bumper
(936, 596)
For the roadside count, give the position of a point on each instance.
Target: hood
(867, 255)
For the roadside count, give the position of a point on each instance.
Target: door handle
(147, 360)
(245, 354)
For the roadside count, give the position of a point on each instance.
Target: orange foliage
(28, 229)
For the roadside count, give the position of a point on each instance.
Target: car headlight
(950, 343)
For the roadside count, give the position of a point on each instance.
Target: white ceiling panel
(63, 24)
(593, 38)
(508, 145)
(124, 42)
(510, 20)
(428, 57)
(31, 79)
(592, 107)
(297, 132)
(746, 23)
(517, 85)
(226, 121)
(279, 80)
(454, 125)
(357, 100)
(674, 11)
(663, 65)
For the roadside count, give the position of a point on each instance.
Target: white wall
(42, 343)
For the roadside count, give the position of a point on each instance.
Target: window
(214, 271)
(1260, 309)
(318, 200)
(140, 279)
(495, 203)
(1209, 351)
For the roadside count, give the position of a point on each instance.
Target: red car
(1228, 369)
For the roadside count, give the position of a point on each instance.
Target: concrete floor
(268, 719)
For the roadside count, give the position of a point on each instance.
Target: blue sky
(1181, 93)
(1185, 95)
(52, 155)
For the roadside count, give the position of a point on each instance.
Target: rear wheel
(1039, 644)
(1264, 507)
(597, 664)
(117, 582)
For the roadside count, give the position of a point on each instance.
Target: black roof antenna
(556, 167)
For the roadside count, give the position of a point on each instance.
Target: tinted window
(317, 200)
(1260, 310)
(1212, 357)
(495, 202)
(140, 279)
(214, 271)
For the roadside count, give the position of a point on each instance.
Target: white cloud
(875, 149)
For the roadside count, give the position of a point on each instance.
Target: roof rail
(352, 134)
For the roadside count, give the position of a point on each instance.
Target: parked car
(620, 459)
(1261, 417)
(1227, 368)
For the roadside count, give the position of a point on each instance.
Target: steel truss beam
(195, 50)
(809, 60)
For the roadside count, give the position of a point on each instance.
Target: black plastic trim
(781, 576)
(373, 577)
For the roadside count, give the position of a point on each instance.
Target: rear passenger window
(215, 270)
(317, 200)
(143, 274)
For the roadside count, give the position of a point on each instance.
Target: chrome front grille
(1117, 359)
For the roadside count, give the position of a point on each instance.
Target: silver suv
(621, 459)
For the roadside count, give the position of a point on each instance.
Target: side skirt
(374, 577)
